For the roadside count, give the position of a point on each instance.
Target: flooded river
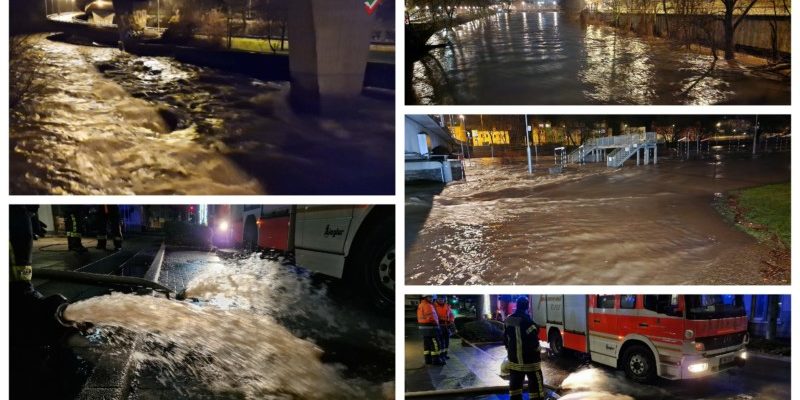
(255, 330)
(545, 58)
(650, 224)
(108, 122)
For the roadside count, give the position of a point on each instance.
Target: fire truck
(350, 242)
(647, 336)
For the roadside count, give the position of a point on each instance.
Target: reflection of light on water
(597, 65)
(618, 68)
(599, 384)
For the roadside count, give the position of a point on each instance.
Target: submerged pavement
(241, 311)
(653, 224)
(764, 377)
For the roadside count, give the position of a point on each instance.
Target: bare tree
(730, 22)
(780, 8)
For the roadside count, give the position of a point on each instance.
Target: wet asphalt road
(762, 378)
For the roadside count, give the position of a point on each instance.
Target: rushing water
(108, 122)
(545, 58)
(260, 330)
(650, 224)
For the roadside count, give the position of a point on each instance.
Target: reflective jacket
(445, 313)
(426, 316)
(522, 342)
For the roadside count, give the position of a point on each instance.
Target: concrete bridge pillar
(328, 50)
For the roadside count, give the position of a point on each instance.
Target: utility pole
(528, 144)
(158, 15)
(755, 135)
(465, 136)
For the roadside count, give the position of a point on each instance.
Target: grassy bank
(763, 212)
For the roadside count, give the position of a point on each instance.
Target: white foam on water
(599, 384)
(232, 350)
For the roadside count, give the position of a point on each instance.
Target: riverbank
(751, 59)
(763, 212)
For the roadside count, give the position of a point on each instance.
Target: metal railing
(583, 150)
(620, 155)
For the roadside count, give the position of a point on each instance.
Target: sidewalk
(468, 367)
(51, 253)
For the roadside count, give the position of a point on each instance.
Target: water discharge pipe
(474, 391)
(107, 280)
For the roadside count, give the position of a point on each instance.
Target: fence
(754, 32)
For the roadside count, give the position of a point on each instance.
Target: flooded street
(255, 329)
(574, 377)
(652, 224)
(108, 122)
(545, 58)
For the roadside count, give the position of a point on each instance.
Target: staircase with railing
(624, 146)
(620, 155)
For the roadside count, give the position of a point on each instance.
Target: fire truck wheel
(639, 364)
(371, 264)
(556, 343)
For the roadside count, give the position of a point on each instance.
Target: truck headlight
(698, 367)
(743, 356)
(223, 226)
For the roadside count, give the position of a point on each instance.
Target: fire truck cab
(669, 336)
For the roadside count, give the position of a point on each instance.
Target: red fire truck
(670, 336)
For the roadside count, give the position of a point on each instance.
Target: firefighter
(74, 225)
(33, 323)
(428, 323)
(446, 322)
(108, 223)
(524, 359)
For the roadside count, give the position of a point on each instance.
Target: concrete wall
(330, 44)
(424, 171)
(430, 170)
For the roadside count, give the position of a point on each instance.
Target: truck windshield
(714, 306)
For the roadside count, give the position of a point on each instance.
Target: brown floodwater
(108, 122)
(652, 224)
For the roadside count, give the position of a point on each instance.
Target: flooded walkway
(108, 122)
(651, 224)
(256, 329)
(546, 58)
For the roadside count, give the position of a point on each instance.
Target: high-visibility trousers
(535, 384)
